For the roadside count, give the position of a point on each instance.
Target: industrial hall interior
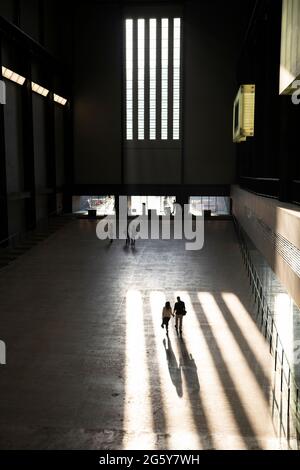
(149, 225)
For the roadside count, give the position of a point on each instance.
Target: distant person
(179, 311)
(130, 236)
(166, 316)
(127, 236)
(111, 231)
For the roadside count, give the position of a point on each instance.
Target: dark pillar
(3, 185)
(50, 153)
(28, 149)
(68, 160)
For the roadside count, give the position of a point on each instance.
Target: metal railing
(285, 392)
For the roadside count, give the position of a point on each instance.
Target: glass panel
(163, 205)
(152, 71)
(129, 76)
(176, 78)
(164, 76)
(141, 78)
(218, 205)
(103, 205)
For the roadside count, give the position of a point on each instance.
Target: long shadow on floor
(159, 418)
(238, 410)
(187, 369)
(173, 366)
(254, 365)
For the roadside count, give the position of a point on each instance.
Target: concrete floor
(89, 367)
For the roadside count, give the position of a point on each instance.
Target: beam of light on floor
(249, 392)
(251, 333)
(138, 418)
(181, 432)
(221, 421)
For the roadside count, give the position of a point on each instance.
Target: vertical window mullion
(129, 78)
(153, 78)
(164, 77)
(141, 78)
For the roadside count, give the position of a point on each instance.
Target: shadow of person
(174, 369)
(189, 369)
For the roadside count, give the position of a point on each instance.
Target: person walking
(127, 243)
(130, 236)
(166, 316)
(179, 311)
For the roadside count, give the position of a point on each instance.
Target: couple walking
(178, 312)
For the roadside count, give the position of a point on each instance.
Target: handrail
(288, 407)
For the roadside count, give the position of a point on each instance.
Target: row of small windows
(138, 102)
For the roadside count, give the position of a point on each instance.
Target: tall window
(164, 76)
(152, 78)
(129, 79)
(153, 67)
(176, 77)
(141, 79)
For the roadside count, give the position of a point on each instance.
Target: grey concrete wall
(153, 166)
(97, 94)
(274, 228)
(29, 18)
(211, 48)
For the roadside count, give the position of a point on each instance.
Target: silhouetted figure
(174, 369)
(179, 311)
(111, 232)
(166, 316)
(130, 236)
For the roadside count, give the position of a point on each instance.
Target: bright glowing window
(176, 78)
(129, 79)
(152, 78)
(164, 76)
(152, 70)
(141, 79)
